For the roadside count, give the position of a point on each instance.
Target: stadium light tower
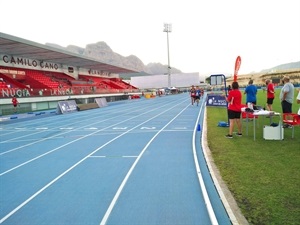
(168, 28)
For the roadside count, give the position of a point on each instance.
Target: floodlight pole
(167, 29)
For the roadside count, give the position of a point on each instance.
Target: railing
(21, 109)
(31, 92)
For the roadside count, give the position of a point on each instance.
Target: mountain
(286, 66)
(102, 52)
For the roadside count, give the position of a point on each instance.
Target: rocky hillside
(283, 67)
(102, 52)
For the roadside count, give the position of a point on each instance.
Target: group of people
(251, 91)
(234, 100)
(196, 93)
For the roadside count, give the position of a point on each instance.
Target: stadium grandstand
(40, 76)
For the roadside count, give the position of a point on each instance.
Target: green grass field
(263, 175)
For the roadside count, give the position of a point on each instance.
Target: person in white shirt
(287, 95)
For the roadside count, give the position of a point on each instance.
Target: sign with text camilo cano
(237, 65)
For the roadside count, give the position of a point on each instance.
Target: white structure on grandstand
(178, 80)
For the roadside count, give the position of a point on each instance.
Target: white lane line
(180, 128)
(118, 193)
(210, 164)
(120, 128)
(79, 162)
(20, 147)
(113, 156)
(148, 128)
(130, 111)
(209, 207)
(97, 156)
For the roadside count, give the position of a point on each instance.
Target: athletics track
(133, 162)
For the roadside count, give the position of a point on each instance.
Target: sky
(206, 37)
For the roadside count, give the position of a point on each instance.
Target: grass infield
(263, 175)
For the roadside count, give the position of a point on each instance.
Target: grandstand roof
(23, 48)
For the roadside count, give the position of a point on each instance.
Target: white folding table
(264, 113)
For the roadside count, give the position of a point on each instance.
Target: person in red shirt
(15, 102)
(193, 94)
(270, 94)
(234, 100)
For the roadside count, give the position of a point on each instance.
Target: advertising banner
(66, 107)
(216, 100)
(101, 102)
(237, 65)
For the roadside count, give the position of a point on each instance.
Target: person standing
(202, 92)
(197, 95)
(234, 100)
(15, 102)
(251, 92)
(228, 89)
(270, 94)
(287, 95)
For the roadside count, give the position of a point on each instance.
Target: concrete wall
(31, 104)
(161, 81)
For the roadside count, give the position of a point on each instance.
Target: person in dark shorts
(270, 94)
(234, 100)
(287, 95)
(197, 95)
(193, 94)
